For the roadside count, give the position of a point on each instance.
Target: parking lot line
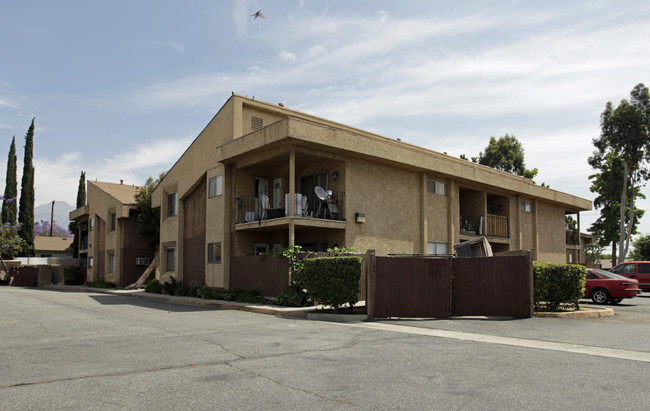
(517, 342)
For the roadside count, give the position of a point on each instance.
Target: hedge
(557, 284)
(333, 281)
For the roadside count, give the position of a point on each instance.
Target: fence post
(370, 265)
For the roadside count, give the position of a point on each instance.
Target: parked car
(635, 269)
(606, 287)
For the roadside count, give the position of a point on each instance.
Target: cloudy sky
(107, 81)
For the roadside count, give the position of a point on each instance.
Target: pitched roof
(123, 193)
(42, 243)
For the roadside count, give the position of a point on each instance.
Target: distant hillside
(61, 213)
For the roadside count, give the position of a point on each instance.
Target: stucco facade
(240, 186)
(110, 249)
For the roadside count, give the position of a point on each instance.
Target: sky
(119, 89)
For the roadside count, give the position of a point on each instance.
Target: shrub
(557, 284)
(153, 286)
(183, 291)
(101, 284)
(71, 274)
(170, 286)
(333, 281)
(293, 296)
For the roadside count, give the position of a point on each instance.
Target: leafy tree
(593, 252)
(74, 226)
(641, 250)
(9, 206)
(148, 217)
(10, 242)
(26, 212)
(42, 229)
(506, 154)
(625, 132)
(608, 183)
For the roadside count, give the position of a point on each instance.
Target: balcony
(275, 205)
(492, 226)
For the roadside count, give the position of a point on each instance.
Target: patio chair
(305, 206)
(333, 208)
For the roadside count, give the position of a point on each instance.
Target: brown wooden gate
(444, 287)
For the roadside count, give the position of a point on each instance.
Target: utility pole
(52, 219)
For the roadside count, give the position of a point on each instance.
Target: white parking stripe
(517, 342)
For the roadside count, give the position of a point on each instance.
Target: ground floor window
(170, 259)
(437, 248)
(111, 263)
(214, 253)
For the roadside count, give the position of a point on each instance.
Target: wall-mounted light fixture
(359, 217)
(335, 175)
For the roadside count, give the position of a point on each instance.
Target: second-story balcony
(491, 225)
(274, 204)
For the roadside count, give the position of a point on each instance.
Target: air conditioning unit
(141, 261)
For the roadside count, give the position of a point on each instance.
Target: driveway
(84, 350)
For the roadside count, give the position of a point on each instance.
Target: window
(527, 206)
(91, 224)
(256, 123)
(214, 253)
(171, 205)
(111, 263)
(436, 187)
(624, 269)
(113, 218)
(90, 262)
(644, 268)
(215, 186)
(170, 259)
(437, 248)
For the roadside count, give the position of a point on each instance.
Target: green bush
(101, 284)
(169, 287)
(71, 274)
(183, 291)
(153, 286)
(293, 296)
(557, 284)
(333, 281)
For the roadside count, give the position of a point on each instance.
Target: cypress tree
(26, 211)
(9, 204)
(74, 226)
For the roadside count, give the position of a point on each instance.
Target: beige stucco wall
(552, 233)
(437, 214)
(215, 276)
(390, 199)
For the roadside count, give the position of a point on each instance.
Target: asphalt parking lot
(87, 350)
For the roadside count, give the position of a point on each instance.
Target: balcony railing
(260, 207)
(493, 226)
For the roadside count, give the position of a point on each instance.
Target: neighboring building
(248, 183)
(111, 250)
(575, 246)
(55, 247)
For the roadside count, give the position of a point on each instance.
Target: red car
(606, 287)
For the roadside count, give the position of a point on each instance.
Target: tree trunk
(628, 235)
(622, 231)
(613, 253)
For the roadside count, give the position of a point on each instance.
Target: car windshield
(607, 274)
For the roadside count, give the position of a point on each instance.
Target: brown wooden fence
(447, 287)
(270, 274)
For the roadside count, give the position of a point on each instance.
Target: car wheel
(615, 300)
(600, 296)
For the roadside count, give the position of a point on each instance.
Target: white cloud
(287, 56)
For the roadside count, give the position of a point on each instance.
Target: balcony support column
(292, 195)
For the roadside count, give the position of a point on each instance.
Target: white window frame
(213, 258)
(172, 204)
(215, 186)
(170, 251)
(526, 206)
(437, 248)
(436, 187)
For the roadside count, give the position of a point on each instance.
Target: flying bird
(258, 14)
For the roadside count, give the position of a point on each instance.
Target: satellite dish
(320, 192)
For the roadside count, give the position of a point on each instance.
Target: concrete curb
(290, 312)
(585, 312)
